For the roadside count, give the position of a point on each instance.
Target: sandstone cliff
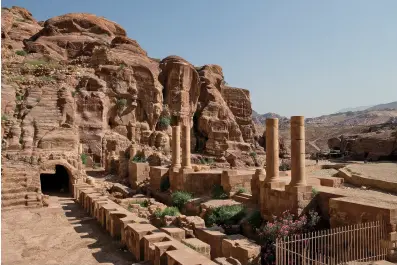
(78, 79)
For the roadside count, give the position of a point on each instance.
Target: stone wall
(231, 181)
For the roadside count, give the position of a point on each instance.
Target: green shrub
(284, 166)
(253, 154)
(219, 193)
(241, 190)
(180, 198)
(144, 203)
(21, 53)
(36, 62)
(164, 122)
(4, 118)
(19, 97)
(165, 184)
(170, 211)
(122, 66)
(206, 160)
(73, 93)
(84, 158)
(47, 78)
(255, 219)
(225, 215)
(121, 103)
(314, 192)
(139, 158)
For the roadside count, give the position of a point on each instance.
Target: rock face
(76, 85)
(217, 129)
(376, 143)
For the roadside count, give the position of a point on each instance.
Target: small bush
(19, 97)
(139, 158)
(219, 193)
(255, 219)
(84, 158)
(314, 192)
(253, 154)
(73, 93)
(122, 66)
(47, 78)
(145, 203)
(121, 103)
(225, 215)
(4, 118)
(170, 211)
(165, 184)
(36, 62)
(284, 166)
(241, 190)
(206, 160)
(180, 198)
(21, 53)
(164, 122)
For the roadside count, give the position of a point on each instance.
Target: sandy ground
(382, 171)
(59, 234)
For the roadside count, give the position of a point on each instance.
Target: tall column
(272, 152)
(186, 144)
(298, 177)
(176, 146)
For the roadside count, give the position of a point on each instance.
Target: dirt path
(61, 234)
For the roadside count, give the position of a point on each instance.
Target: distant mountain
(355, 109)
(261, 118)
(391, 105)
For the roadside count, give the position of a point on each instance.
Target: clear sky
(306, 57)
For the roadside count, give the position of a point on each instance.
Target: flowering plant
(282, 227)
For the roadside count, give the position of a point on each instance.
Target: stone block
(174, 232)
(137, 173)
(198, 245)
(242, 249)
(148, 246)
(212, 236)
(184, 257)
(156, 174)
(133, 237)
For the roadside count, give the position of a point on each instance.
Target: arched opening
(55, 183)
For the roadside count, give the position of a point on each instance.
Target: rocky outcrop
(216, 125)
(78, 79)
(378, 142)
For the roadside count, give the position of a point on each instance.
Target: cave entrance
(55, 183)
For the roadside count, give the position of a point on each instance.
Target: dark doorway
(58, 182)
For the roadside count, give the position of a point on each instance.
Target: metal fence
(356, 244)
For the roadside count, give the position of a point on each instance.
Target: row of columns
(176, 145)
(298, 177)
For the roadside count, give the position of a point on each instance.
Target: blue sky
(306, 57)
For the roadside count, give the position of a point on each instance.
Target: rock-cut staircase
(19, 187)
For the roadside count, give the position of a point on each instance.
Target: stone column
(298, 177)
(133, 151)
(176, 146)
(272, 153)
(186, 144)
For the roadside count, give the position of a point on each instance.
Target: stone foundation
(137, 173)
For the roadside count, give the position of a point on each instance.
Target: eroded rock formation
(76, 85)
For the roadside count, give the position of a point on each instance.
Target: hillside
(320, 129)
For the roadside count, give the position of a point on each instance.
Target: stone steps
(20, 202)
(243, 198)
(26, 195)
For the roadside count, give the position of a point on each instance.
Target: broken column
(272, 161)
(298, 177)
(186, 144)
(176, 145)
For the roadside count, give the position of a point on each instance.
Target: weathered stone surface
(378, 142)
